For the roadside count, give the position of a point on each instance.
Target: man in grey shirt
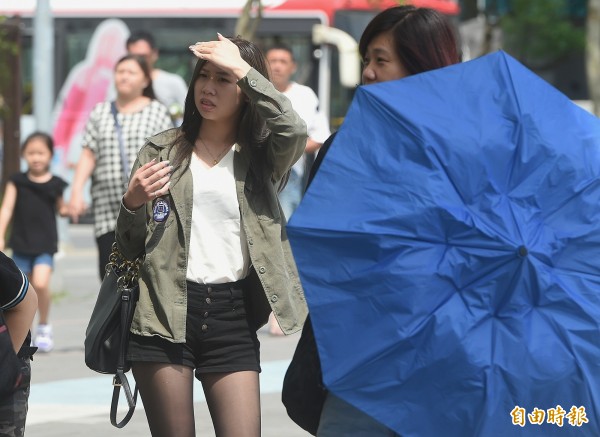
(170, 89)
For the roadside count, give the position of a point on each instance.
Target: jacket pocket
(264, 202)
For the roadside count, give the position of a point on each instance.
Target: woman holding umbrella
(398, 42)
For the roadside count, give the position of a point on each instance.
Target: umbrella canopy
(449, 247)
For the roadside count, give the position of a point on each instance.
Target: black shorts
(218, 336)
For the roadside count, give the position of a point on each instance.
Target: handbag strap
(120, 379)
(124, 160)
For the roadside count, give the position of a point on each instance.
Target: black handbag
(107, 333)
(303, 392)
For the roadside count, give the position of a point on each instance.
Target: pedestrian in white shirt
(305, 102)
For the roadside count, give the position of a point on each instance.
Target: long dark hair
(252, 129)
(423, 37)
(148, 91)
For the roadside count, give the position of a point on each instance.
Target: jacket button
(274, 298)
(205, 327)
(253, 83)
(205, 314)
(208, 300)
(262, 269)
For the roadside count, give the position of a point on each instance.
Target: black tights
(167, 392)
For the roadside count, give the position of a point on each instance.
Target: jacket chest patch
(160, 210)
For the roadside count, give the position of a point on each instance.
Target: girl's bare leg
(40, 279)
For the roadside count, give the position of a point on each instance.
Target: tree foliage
(8, 48)
(541, 32)
(593, 53)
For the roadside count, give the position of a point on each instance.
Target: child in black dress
(31, 201)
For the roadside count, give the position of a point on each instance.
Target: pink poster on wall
(86, 85)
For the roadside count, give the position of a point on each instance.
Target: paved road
(68, 399)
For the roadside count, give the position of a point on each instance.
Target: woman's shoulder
(54, 184)
(13, 283)
(157, 104)
(100, 111)
(156, 107)
(164, 138)
(59, 182)
(155, 114)
(102, 107)
(156, 143)
(19, 178)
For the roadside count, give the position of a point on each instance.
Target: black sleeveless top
(34, 217)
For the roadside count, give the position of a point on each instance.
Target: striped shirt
(13, 283)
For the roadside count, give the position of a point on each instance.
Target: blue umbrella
(449, 248)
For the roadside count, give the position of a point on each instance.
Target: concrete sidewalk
(68, 399)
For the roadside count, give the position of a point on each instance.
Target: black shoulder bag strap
(128, 299)
(124, 160)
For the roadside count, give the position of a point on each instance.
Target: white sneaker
(43, 338)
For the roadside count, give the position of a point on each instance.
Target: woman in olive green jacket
(202, 206)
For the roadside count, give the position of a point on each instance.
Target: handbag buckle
(116, 381)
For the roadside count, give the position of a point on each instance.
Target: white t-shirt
(218, 249)
(306, 104)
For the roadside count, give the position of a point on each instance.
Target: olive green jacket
(273, 279)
